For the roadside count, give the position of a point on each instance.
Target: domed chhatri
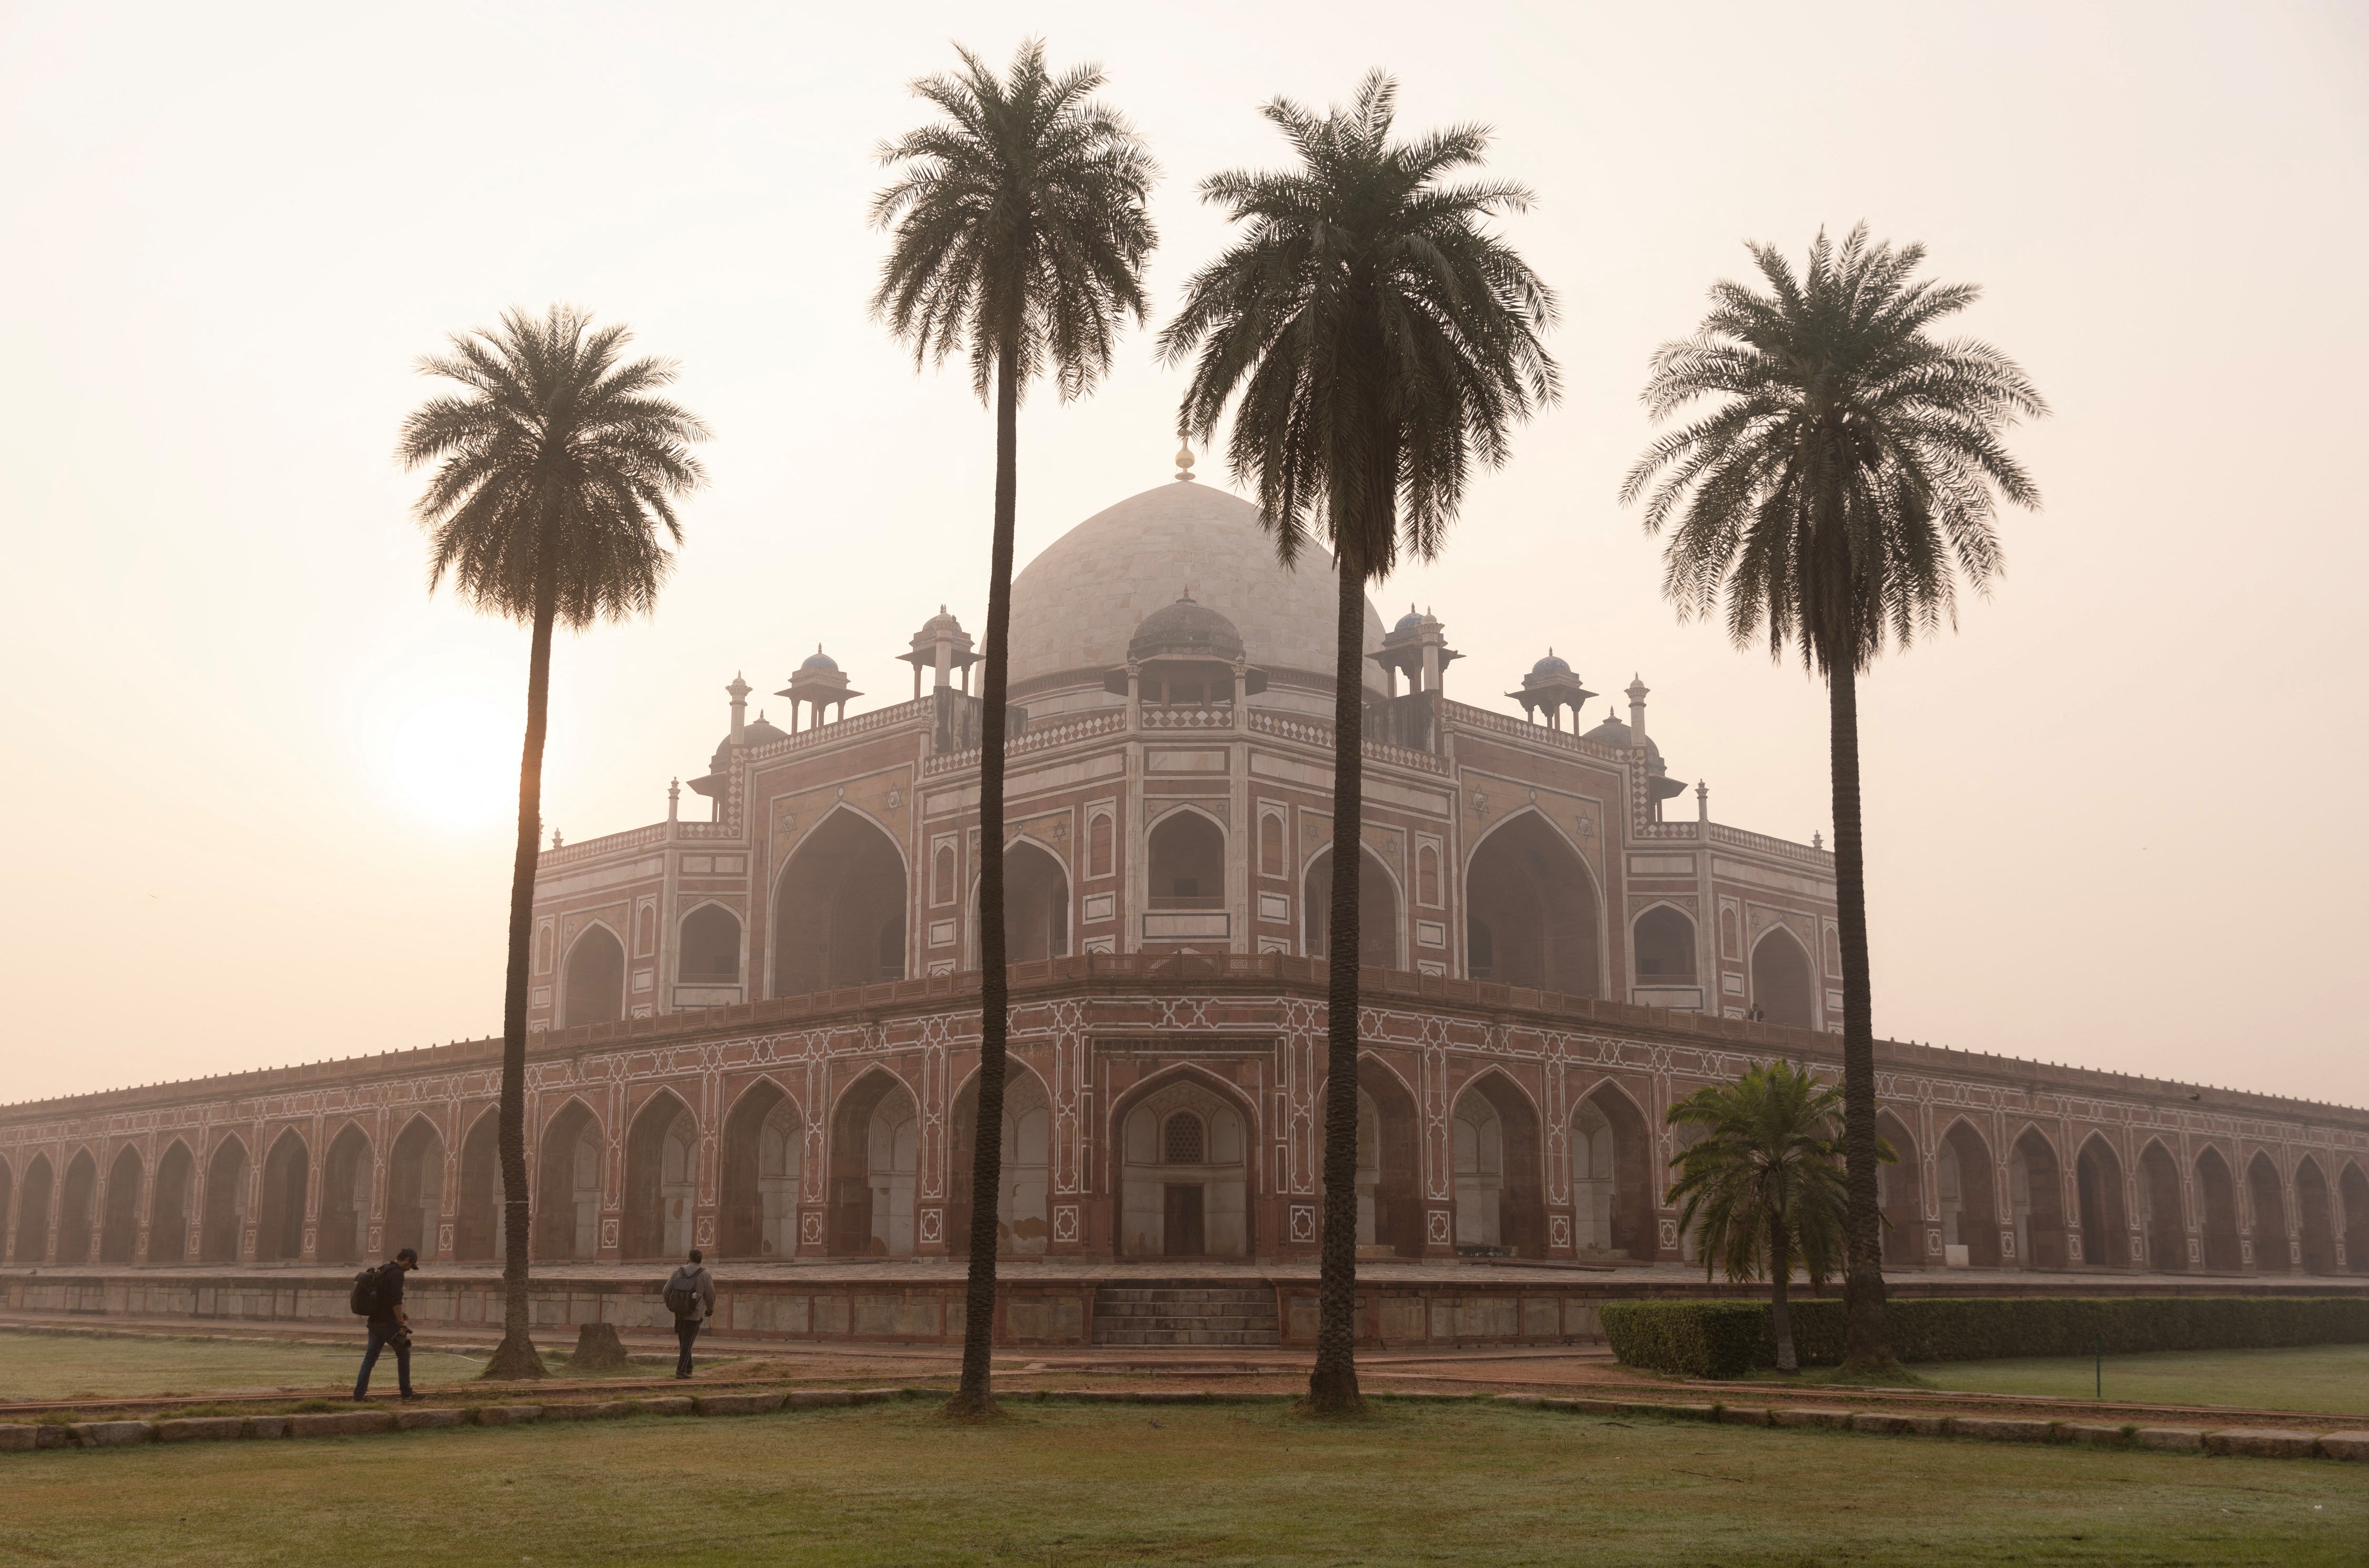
(1185, 627)
(819, 684)
(819, 660)
(1550, 665)
(1549, 688)
(1185, 652)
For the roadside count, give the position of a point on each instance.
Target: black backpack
(368, 1297)
(682, 1296)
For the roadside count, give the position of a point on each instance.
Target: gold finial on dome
(1184, 463)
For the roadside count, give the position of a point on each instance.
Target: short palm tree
(1381, 341)
(1846, 476)
(1019, 236)
(1762, 1185)
(555, 469)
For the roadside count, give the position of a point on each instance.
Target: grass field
(2324, 1377)
(1462, 1484)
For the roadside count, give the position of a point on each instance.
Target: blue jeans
(381, 1337)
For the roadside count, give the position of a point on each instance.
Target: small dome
(756, 732)
(819, 660)
(1550, 665)
(1408, 622)
(1612, 732)
(1185, 627)
(941, 621)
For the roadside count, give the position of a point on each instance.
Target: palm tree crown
(1019, 225)
(1848, 475)
(555, 471)
(1380, 338)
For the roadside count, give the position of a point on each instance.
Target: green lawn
(47, 1366)
(1069, 1486)
(2323, 1377)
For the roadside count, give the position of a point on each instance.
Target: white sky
(256, 779)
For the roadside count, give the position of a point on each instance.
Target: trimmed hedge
(1726, 1339)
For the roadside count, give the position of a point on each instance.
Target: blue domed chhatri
(819, 660)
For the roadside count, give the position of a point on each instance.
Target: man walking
(690, 1297)
(389, 1324)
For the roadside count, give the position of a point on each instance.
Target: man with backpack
(378, 1298)
(691, 1296)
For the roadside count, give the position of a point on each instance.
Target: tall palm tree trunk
(1866, 1345)
(995, 998)
(1781, 1306)
(515, 1355)
(1332, 1385)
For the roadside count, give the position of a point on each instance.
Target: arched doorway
(1377, 910)
(566, 1223)
(1533, 913)
(1390, 1163)
(2105, 1228)
(2352, 1191)
(1500, 1201)
(1781, 980)
(2271, 1252)
(74, 1203)
(592, 989)
(32, 1244)
(1896, 1195)
(838, 910)
(344, 1233)
(414, 1190)
(477, 1224)
(1612, 1194)
(225, 1219)
(764, 1148)
(661, 1177)
(1183, 1174)
(1962, 1170)
(119, 1229)
(2162, 1221)
(287, 1172)
(1022, 1213)
(170, 1220)
(1036, 904)
(2036, 1192)
(2216, 1202)
(2317, 1221)
(875, 1166)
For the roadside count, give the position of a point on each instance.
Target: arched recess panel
(1534, 915)
(1389, 1163)
(1185, 863)
(2271, 1254)
(2105, 1226)
(2353, 1193)
(1897, 1195)
(764, 1146)
(838, 910)
(1024, 1207)
(1961, 1172)
(1185, 1178)
(1036, 904)
(170, 1215)
(1665, 947)
(874, 1166)
(1781, 980)
(2315, 1218)
(280, 1225)
(593, 989)
(226, 1220)
(1612, 1178)
(477, 1221)
(661, 1179)
(8, 1210)
(2216, 1202)
(119, 1231)
(414, 1190)
(709, 953)
(566, 1221)
(1500, 1199)
(33, 1211)
(2036, 1193)
(2162, 1221)
(1377, 910)
(343, 1236)
(75, 1205)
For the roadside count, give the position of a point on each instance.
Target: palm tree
(1019, 236)
(1381, 341)
(555, 470)
(1846, 478)
(1764, 1184)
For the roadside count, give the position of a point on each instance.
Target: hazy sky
(257, 779)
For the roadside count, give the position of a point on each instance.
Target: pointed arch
(875, 1166)
(2267, 1195)
(2352, 1197)
(2217, 1205)
(763, 1160)
(840, 907)
(1662, 941)
(567, 1177)
(661, 1177)
(1036, 897)
(224, 1223)
(2315, 1217)
(1782, 988)
(1181, 1207)
(1534, 910)
(2163, 1215)
(1613, 1191)
(1899, 1189)
(1024, 1211)
(119, 1232)
(1389, 1159)
(7, 1209)
(1968, 1192)
(32, 1243)
(415, 1189)
(172, 1218)
(343, 1235)
(707, 945)
(78, 1200)
(2097, 1187)
(1500, 1193)
(1381, 936)
(477, 1221)
(592, 978)
(287, 1173)
(2036, 1199)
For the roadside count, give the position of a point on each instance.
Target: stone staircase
(1176, 1313)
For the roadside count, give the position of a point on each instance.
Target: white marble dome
(1077, 604)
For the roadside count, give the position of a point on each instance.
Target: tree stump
(598, 1349)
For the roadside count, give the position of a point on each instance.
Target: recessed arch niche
(1780, 980)
(1534, 914)
(1022, 1215)
(1184, 1173)
(764, 1149)
(2098, 1185)
(1377, 910)
(1500, 1201)
(119, 1231)
(1611, 1165)
(839, 908)
(661, 1179)
(415, 1189)
(566, 1223)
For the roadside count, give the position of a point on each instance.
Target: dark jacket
(390, 1293)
